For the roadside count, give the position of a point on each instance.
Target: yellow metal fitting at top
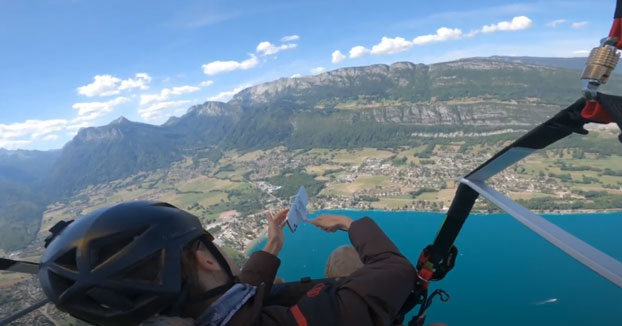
(600, 64)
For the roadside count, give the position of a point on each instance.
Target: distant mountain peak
(119, 120)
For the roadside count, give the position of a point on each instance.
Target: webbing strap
(596, 110)
(613, 106)
(616, 29)
(607, 109)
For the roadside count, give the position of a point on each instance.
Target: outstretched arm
(372, 295)
(263, 265)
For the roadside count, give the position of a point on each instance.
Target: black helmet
(119, 265)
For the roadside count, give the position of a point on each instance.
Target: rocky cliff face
(470, 91)
(210, 109)
(378, 105)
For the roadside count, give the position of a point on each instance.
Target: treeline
(291, 180)
(21, 210)
(246, 200)
(416, 193)
(594, 200)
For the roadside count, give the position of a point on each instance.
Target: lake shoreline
(251, 245)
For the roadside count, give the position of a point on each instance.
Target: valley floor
(231, 192)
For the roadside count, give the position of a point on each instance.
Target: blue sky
(70, 64)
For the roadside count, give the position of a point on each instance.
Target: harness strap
(616, 29)
(607, 109)
(594, 109)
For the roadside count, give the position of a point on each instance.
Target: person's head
(342, 262)
(199, 266)
(120, 265)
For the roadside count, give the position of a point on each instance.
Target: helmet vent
(148, 270)
(68, 260)
(59, 283)
(103, 249)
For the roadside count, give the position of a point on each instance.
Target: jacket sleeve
(261, 267)
(372, 295)
(381, 286)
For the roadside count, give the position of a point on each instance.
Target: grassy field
(9, 278)
(355, 157)
(212, 189)
(360, 184)
(320, 170)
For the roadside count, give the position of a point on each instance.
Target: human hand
(332, 223)
(276, 237)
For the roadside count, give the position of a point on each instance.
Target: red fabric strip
(300, 318)
(594, 111)
(616, 31)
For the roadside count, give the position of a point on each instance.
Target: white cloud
(75, 125)
(20, 134)
(578, 25)
(358, 51)
(142, 81)
(295, 76)
(102, 85)
(14, 144)
(517, 23)
(556, 22)
(290, 38)
(157, 110)
(227, 95)
(398, 44)
(267, 48)
(107, 85)
(263, 49)
(337, 57)
(442, 34)
(391, 45)
(184, 89)
(581, 52)
(88, 111)
(51, 137)
(167, 93)
(217, 67)
(156, 106)
(318, 70)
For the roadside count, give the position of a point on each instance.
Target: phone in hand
(298, 211)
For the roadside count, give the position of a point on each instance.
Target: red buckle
(425, 275)
(595, 112)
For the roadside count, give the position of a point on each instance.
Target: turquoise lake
(504, 275)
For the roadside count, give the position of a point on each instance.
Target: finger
(317, 221)
(282, 216)
(270, 216)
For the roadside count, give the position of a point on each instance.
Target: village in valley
(232, 192)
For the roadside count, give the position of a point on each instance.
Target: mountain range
(375, 106)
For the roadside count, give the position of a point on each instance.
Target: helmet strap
(232, 280)
(185, 299)
(219, 257)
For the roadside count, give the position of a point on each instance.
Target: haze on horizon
(72, 64)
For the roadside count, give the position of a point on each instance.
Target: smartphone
(298, 211)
